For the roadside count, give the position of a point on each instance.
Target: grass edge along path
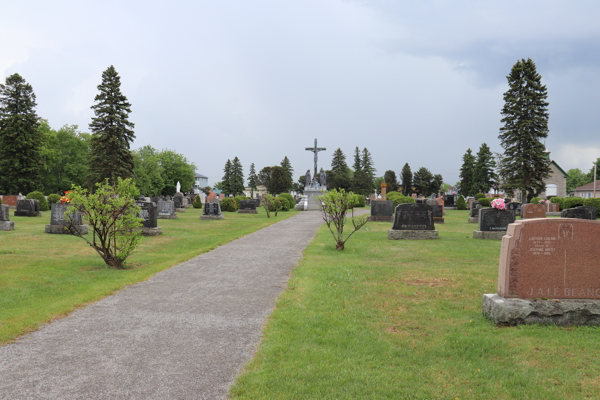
(47, 276)
(403, 320)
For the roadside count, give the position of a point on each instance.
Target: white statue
(178, 187)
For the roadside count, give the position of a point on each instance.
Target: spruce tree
(289, 171)
(407, 178)
(484, 175)
(367, 165)
(112, 132)
(390, 179)
(237, 177)
(467, 171)
(252, 180)
(357, 166)
(525, 164)
(340, 174)
(227, 181)
(20, 139)
(436, 184)
(422, 181)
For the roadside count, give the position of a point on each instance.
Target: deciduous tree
(390, 179)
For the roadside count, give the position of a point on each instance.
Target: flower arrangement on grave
(544, 201)
(66, 198)
(498, 204)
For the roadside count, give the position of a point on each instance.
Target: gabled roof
(589, 186)
(201, 176)
(560, 169)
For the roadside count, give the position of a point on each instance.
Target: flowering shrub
(66, 198)
(498, 204)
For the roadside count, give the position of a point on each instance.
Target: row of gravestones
(382, 210)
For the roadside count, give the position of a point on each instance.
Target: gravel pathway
(184, 334)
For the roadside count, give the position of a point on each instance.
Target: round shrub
(485, 202)
(53, 198)
(558, 200)
(461, 204)
(479, 196)
(358, 200)
(39, 196)
(228, 204)
(197, 202)
(593, 203)
(290, 200)
(285, 205)
(573, 202)
(535, 200)
(398, 198)
(276, 203)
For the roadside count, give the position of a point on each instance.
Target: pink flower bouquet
(499, 204)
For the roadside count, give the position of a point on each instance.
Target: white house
(587, 191)
(201, 181)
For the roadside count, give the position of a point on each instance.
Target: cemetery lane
(183, 334)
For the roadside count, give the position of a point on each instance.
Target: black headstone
(149, 212)
(437, 208)
(27, 208)
(178, 200)
(494, 220)
(247, 205)
(579, 213)
(4, 212)
(450, 200)
(473, 204)
(212, 208)
(382, 208)
(413, 217)
(420, 201)
(58, 217)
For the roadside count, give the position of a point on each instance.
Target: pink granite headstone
(534, 211)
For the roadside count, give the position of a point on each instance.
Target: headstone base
(449, 208)
(381, 218)
(180, 210)
(7, 225)
(28, 214)
(553, 214)
(300, 206)
(438, 220)
(313, 203)
(563, 312)
(491, 235)
(173, 216)
(247, 212)
(412, 235)
(151, 231)
(210, 217)
(473, 220)
(81, 229)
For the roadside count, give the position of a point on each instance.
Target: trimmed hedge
(571, 202)
(479, 196)
(593, 203)
(485, 202)
(399, 198)
(229, 204)
(461, 204)
(39, 196)
(53, 198)
(290, 200)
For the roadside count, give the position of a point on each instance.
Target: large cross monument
(315, 150)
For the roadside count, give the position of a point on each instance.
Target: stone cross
(315, 150)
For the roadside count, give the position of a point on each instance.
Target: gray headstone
(475, 210)
(178, 200)
(58, 217)
(27, 208)
(493, 220)
(413, 217)
(4, 212)
(166, 208)
(382, 208)
(437, 208)
(149, 212)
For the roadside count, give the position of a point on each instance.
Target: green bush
(399, 198)
(39, 196)
(558, 200)
(276, 203)
(1, 202)
(461, 204)
(358, 200)
(285, 205)
(197, 202)
(228, 204)
(53, 198)
(290, 200)
(479, 196)
(169, 190)
(593, 203)
(571, 202)
(238, 201)
(485, 202)
(535, 200)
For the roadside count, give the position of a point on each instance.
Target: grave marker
(212, 211)
(166, 209)
(581, 212)
(28, 208)
(529, 211)
(247, 207)
(413, 221)
(493, 223)
(382, 211)
(5, 223)
(60, 220)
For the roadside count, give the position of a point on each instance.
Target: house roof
(201, 176)
(589, 186)
(560, 169)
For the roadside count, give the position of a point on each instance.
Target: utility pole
(595, 166)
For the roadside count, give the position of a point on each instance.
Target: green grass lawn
(45, 276)
(404, 320)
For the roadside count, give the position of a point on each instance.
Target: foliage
(334, 206)
(238, 201)
(229, 204)
(274, 178)
(398, 198)
(290, 200)
(218, 186)
(197, 202)
(368, 166)
(177, 168)
(407, 177)
(20, 139)
(571, 202)
(339, 177)
(227, 178)
(1, 202)
(485, 202)
(169, 190)
(479, 196)
(361, 183)
(236, 184)
(525, 164)
(112, 214)
(423, 182)
(252, 180)
(467, 174)
(299, 185)
(461, 204)
(484, 174)
(535, 200)
(270, 204)
(148, 171)
(358, 200)
(390, 178)
(437, 184)
(593, 203)
(357, 166)
(285, 205)
(289, 172)
(112, 132)
(558, 200)
(39, 196)
(576, 178)
(590, 175)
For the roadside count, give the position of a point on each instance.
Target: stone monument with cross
(313, 187)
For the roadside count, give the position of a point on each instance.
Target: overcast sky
(417, 82)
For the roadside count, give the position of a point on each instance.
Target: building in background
(587, 191)
(201, 181)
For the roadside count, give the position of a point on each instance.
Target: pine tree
(407, 178)
(484, 175)
(525, 164)
(112, 133)
(390, 179)
(437, 183)
(20, 140)
(289, 171)
(422, 181)
(357, 166)
(367, 165)
(340, 174)
(252, 180)
(237, 177)
(226, 180)
(467, 183)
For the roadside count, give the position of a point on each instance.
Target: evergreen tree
(525, 118)
(407, 178)
(367, 165)
(422, 181)
(237, 177)
(226, 185)
(340, 174)
(590, 175)
(20, 139)
(467, 171)
(112, 133)
(360, 182)
(252, 180)
(278, 182)
(390, 179)
(289, 171)
(437, 184)
(484, 175)
(357, 160)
